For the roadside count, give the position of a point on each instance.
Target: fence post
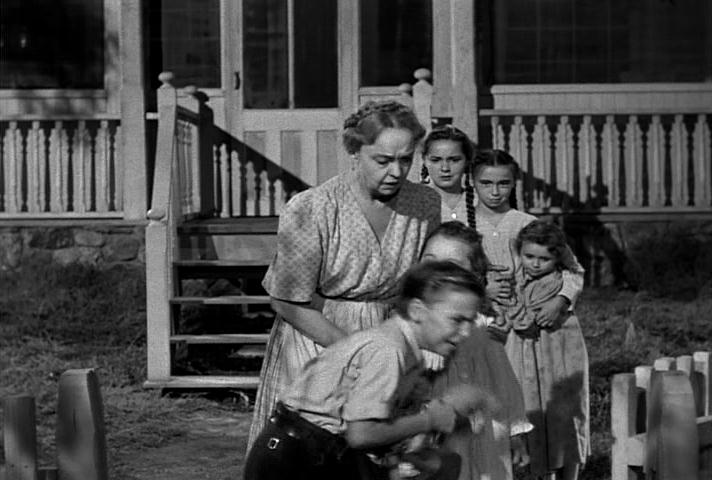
(20, 438)
(81, 437)
(672, 444)
(624, 403)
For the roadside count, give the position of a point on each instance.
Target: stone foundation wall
(93, 243)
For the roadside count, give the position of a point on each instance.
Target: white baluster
(423, 97)
(279, 196)
(656, 173)
(225, 209)
(11, 156)
(101, 166)
(563, 154)
(55, 172)
(236, 184)
(63, 169)
(678, 162)
(118, 171)
(586, 155)
(702, 155)
(611, 154)
(494, 123)
(633, 163)
(35, 145)
(262, 185)
(540, 149)
(250, 198)
(518, 150)
(79, 172)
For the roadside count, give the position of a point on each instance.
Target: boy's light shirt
(362, 377)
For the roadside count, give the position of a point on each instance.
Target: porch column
(133, 122)
(454, 84)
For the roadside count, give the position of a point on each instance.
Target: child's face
(450, 249)
(447, 320)
(493, 186)
(446, 164)
(537, 260)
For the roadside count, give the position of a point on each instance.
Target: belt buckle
(272, 443)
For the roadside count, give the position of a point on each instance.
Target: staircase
(208, 318)
(219, 313)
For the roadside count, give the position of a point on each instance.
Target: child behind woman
(481, 361)
(550, 360)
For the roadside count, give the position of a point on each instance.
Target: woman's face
(384, 165)
(446, 164)
(493, 186)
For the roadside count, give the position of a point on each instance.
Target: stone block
(11, 249)
(88, 238)
(82, 255)
(121, 248)
(51, 238)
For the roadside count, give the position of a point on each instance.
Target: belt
(318, 441)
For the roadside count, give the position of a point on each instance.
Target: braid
(470, 203)
(424, 174)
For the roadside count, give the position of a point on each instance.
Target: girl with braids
(494, 174)
(343, 246)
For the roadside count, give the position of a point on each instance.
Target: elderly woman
(345, 243)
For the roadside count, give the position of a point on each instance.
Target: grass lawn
(55, 318)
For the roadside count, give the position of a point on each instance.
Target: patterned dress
(552, 368)
(326, 246)
(482, 361)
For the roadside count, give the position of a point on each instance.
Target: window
(57, 44)
(289, 54)
(396, 40)
(184, 38)
(601, 41)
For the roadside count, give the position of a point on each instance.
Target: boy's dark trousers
(290, 447)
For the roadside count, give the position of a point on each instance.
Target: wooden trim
(133, 105)
(55, 118)
(114, 45)
(442, 103)
(291, 81)
(464, 87)
(602, 88)
(535, 112)
(52, 93)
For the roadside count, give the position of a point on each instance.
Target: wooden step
(223, 300)
(220, 263)
(222, 338)
(230, 226)
(205, 381)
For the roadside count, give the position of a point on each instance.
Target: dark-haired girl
(494, 177)
(347, 241)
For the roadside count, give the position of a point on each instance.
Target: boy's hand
(551, 312)
(441, 416)
(520, 456)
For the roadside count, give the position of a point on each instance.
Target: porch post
(454, 84)
(133, 122)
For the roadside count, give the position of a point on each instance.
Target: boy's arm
(437, 416)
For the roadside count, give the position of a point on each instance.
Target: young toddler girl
(550, 358)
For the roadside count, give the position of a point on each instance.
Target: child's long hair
(496, 158)
(459, 231)
(425, 280)
(454, 134)
(543, 233)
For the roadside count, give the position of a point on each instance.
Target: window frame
(24, 103)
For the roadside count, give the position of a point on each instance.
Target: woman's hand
(499, 289)
(552, 312)
(308, 319)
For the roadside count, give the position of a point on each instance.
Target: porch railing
(67, 166)
(632, 161)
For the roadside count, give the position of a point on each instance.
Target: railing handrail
(539, 112)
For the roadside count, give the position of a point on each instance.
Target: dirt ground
(213, 448)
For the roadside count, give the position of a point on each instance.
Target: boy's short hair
(423, 281)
